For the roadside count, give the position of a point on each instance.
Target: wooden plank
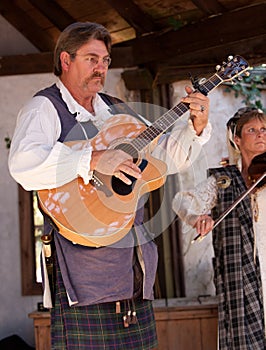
(26, 64)
(192, 39)
(133, 15)
(191, 54)
(54, 12)
(188, 327)
(26, 26)
(209, 7)
(27, 244)
(184, 334)
(209, 333)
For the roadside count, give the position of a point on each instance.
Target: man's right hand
(115, 162)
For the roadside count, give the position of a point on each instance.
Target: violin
(257, 168)
(257, 173)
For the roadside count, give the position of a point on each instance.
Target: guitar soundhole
(123, 189)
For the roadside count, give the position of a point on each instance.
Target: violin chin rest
(257, 168)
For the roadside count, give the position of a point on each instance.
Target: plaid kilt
(99, 326)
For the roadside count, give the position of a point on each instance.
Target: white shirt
(38, 161)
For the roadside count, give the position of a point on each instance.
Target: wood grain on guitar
(102, 212)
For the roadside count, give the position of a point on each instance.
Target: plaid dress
(237, 275)
(99, 326)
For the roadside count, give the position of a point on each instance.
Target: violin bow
(232, 206)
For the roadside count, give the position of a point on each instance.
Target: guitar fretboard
(170, 117)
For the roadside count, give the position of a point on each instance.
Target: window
(31, 226)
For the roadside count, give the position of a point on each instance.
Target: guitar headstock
(235, 67)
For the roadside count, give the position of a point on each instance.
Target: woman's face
(253, 138)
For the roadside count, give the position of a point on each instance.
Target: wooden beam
(134, 16)
(54, 12)
(194, 46)
(26, 64)
(210, 7)
(25, 25)
(138, 79)
(205, 62)
(213, 32)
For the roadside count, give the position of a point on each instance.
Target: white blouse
(190, 204)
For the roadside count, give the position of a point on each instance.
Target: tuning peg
(218, 67)
(202, 81)
(247, 74)
(240, 78)
(230, 58)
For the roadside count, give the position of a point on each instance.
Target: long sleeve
(36, 159)
(189, 204)
(181, 147)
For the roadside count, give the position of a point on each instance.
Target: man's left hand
(199, 109)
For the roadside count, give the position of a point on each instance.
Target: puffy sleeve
(189, 204)
(37, 160)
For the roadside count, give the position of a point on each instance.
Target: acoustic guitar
(103, 211)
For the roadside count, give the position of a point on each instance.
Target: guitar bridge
(100, 185)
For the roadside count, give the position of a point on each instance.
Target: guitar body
(102, 212)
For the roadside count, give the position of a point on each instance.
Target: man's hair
(76, 35)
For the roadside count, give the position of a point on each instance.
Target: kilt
(99, 326)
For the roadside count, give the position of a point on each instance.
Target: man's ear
(65, 60)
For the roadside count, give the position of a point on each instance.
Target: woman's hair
(235, 126)
(76, 35)
(241, 117)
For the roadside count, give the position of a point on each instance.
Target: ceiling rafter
(210, 7)
(139, 20)
(24, 24)
(54, 12)
(169, 54)
(158, 47)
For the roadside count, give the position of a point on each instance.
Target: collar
(82, 115)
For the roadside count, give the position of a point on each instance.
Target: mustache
(97, 75)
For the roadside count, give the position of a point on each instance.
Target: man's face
(86, 73)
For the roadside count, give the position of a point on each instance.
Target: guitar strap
(117, 106)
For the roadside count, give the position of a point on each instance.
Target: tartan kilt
(99, 326)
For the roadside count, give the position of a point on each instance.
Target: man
(97, 300)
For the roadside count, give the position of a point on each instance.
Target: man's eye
(93, 60)
(107, 61)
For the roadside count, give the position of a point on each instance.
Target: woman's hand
(204, 225)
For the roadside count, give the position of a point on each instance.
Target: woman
(239, 240)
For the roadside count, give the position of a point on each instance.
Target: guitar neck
(169, 118)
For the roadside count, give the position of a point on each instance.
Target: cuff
(204, 136)
(84, 165)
